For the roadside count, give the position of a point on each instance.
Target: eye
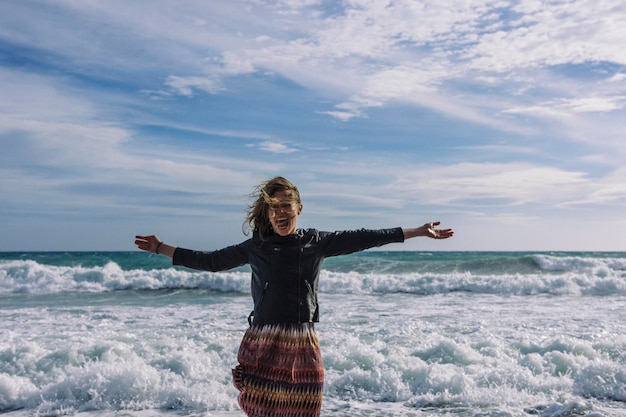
(282, 206)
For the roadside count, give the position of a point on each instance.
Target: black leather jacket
(285, 270)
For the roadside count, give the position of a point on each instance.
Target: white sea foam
(575, 277)
(580, 263)
(114, 358)
(31, 277)
(547, 339)
(388, 355)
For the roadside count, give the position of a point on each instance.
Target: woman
(280, 371)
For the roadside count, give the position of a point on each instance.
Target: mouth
(282, 223)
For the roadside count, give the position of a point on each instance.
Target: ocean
(403, 334)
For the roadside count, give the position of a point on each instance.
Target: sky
(504, 120)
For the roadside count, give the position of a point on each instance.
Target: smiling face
(283, 213)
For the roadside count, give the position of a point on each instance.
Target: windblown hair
(257, 218)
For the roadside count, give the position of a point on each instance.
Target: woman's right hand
(148, 243)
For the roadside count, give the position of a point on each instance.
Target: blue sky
(503, 119)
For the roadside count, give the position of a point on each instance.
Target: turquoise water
(396, 261)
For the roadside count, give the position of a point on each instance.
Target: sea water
(402, 334)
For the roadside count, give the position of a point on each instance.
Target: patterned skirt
(280, 371)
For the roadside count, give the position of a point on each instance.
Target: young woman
(280, 371)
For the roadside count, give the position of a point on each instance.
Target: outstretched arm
(427, 230)
(153, 244)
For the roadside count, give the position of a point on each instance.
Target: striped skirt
(280, 371)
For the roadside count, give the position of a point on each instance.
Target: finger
(140, 241)
(444, 234)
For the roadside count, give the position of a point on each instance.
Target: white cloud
(345, 111)
(617, 78)
(275, 147)
(186, 85)
(554, 33)
(59, 150)
(607, 191)
(492, 184)
(363, 55)
(61, 126)
(540, 110)
(400, 82)
(374, 53)
(596, 104)
(565, 108)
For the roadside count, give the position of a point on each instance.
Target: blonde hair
(257, 218)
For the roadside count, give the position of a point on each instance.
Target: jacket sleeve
(219, 260)
(349, 241)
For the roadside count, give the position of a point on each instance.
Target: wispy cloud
(468, 184)
(186, 85)
(570, 107)
(275, 147)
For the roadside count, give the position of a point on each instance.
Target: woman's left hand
(434, 233)
(428, 230)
